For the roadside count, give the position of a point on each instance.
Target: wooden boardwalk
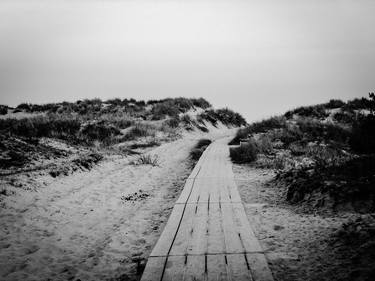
(208, 236)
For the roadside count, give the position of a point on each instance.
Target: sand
(94, 225)
(298, 245)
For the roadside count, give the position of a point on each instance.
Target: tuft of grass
(140, 130)
(146, 159)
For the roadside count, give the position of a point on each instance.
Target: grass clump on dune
(199, 148)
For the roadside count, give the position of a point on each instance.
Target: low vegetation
(117, 125)
(146, 159)
(324, 153)
(199, 148)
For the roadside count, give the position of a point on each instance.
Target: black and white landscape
(187, 140)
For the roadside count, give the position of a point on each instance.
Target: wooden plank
(248, 238)
(216, 268)
(233, 190)
(232, 241)
(165, 241)
(238, 268)
(195, 269)
(154, 269)
(216, 241)
(198, 243)
(185, 192)
(184, 234)
(174, 269)
(259, 267)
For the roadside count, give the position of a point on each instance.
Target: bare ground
(299, 246)
(92, 225)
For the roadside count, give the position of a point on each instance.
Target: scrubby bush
(263, 126)
(334, 104)
(264, 144)
(362, 138)
(99, 131)
(316, 111)
(161, 110)
(61, 127)
(140, 130)
(225, 116)
(201, 102)
(345, 117)
(314, 130)
(173, 122)
(199, 148)
(3, 109)
(244, 153)
(357, 104)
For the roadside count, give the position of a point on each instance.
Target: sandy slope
(95, 225)
(297, 245)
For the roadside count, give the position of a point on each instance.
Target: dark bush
(199, 148)
(225, 116)
(263, 126)
(42, 126)
(345, 117)
(99, 131)
(316, 111)
(362, 139)
(244, 153)
(3, 109)
(173, 122)
(161, 110)
(317, 131)
(201, 102)
(334, 104)
(140, 130)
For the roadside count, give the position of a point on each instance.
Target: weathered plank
(154, 269)
(259, 267)
(166, 239)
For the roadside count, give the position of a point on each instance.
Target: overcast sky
(259, 57)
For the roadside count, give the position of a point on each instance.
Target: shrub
(263, 126)
(199, 148)
(316, 111)
(99, 131)
(161, 110)
(140, 130)
(201, 102)
(173, 122)
(226, 116)
(346, 117)
(334, 104)
(3, 109)
(245, 153)
(264, 144)
(362, 138)
(61, 127)
(314, 130)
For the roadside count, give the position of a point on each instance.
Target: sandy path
(79, 227)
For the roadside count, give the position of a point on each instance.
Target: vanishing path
(208, 236)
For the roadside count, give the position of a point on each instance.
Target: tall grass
(140, 130)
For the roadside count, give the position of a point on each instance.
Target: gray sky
(259, 57)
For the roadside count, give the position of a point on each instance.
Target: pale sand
(297, 245)
(94, 225)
